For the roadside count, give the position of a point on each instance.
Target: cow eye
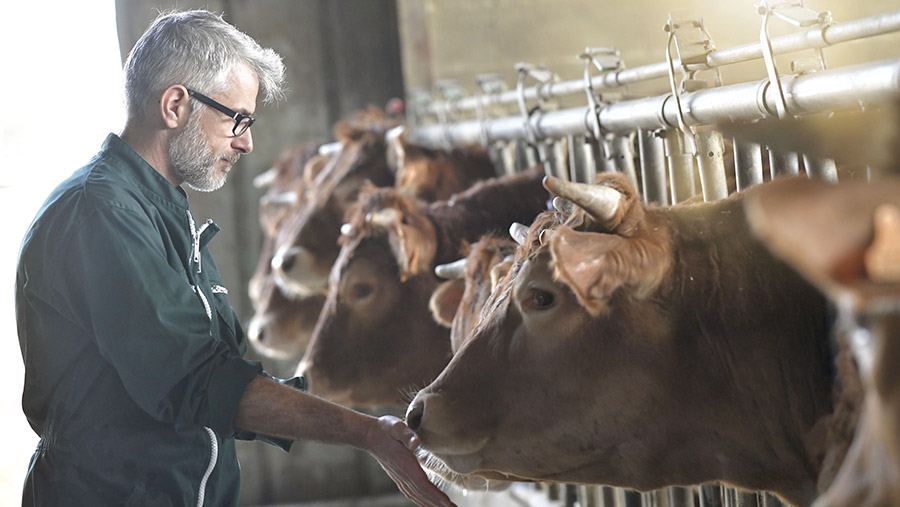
(540, 299)
(360, 290)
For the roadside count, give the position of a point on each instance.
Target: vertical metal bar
(681, 166)
(496, 154)
(748, 170)
(576, 157)
(623, 149)
(608, 496)
(770, 500)
(710, 495)
(822, 168)
(607, 162)
(681, 497)
(591, 154)
(653, 167)
(629, 498)
(783, 164)
(589, 496)
(570, 495)
(711, 164)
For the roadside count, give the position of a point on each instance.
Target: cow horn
(387, 218)
(266, 178)
(518, 232)
(284, 198)
(346, 229)
(600, 201)
(330, 148)
(562, 205)
(451, 271)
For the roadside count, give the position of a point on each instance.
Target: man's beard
(194, 161)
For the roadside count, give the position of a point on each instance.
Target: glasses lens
(242, 125)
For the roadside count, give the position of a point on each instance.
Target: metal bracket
(451, 91)
(693, 44)
(604, 59)
(542, 75)
(492, 85)
(796, 14)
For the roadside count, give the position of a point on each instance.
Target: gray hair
(197, 49)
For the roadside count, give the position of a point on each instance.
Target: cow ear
(445, 300)
(596, 265)
(499, 271)
(841, 237)
(412, 237)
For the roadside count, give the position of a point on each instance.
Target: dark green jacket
(133, 354)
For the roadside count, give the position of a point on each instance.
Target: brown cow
(376, 337)
(435, 174)
(457, 303)
(302, 261)
(641, 347)
(845, 238)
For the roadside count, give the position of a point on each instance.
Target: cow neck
(762, 334)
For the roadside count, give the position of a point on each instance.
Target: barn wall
(340, 57)
(463, 38)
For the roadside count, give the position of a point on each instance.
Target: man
(134, 376)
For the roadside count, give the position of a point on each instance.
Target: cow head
(458, 302)
(579, 369)
(282, 325)
(436, 174)
(375, 340)
(304, 257)
(846, 239)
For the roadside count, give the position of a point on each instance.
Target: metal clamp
(605, 59)
(693, 44)
(451, 91)
(492, 85)
(542, 75)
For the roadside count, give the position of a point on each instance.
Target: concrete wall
(340, 57)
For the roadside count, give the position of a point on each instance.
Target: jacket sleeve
(138, 304)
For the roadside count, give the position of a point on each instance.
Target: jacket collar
(143, 173)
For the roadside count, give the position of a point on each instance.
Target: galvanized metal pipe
(844, 88)
(653, 167)
(815, 38)
(623, 154)
(783, 163)
(823, 168)
(680, 164)
(710, 151)
(748, 169)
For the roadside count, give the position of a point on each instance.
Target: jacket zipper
(213, 457)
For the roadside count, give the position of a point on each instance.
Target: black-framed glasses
(242, 121)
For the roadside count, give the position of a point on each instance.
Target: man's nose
(243, 143)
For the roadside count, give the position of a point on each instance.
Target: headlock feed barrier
(672, 139)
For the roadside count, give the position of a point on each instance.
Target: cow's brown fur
(846, 238)
(376, 338)
(710, 362)
(435, 174)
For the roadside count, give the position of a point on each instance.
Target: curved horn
(562, 205)
(394, 133)
(387, 218)
(451, 271)
(518, 232)
(346, 229)
(330, 148)
(600, 201)
(284, 198)
(266, 178)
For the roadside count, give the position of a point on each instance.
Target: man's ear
(175, 106)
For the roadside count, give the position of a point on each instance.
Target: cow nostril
(414, 415)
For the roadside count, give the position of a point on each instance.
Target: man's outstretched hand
(393, 444)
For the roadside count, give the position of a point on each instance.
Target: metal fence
(665, 145)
